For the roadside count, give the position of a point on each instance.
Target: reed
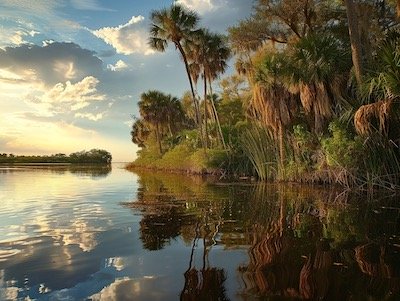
(260, 147)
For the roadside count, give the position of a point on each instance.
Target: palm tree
(208, 55)
(152, 107)
(174, 114)
(382, 89)
(318, 65)
(175, 25)
(271, 100)
(140, 132)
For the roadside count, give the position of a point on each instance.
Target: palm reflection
(302, 244)
(293, 254)
(206, 282)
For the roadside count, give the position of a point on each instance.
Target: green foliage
(302, 82)
(383, 81)
(182, 157)
(319, 58)
(340, 149)
(304, 144)
(94, 156)
(260, 148)
(175, 158)
(380, 162)
(140, 132)
(231, 111)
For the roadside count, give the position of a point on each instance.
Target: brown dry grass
(367, 115)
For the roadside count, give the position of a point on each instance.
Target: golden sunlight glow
(65, 68)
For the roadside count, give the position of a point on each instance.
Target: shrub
(340, 149)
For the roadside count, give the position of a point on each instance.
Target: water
(102, 234)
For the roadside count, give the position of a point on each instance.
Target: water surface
(102, 234)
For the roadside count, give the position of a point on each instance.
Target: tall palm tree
(208, 54)
(175, 25)
(271, 100)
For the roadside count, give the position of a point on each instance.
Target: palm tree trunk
(195, 102)
(355, 40)
(398, 9)
(158, 138)
(281, 149)
(205, 111)
(216, 117)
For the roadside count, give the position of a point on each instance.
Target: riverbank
(196, 171)
(332, 177)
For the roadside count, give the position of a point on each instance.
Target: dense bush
(94, 156)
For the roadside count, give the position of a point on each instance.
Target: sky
(72, 71)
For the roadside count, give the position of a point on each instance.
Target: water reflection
(317, 250)
(55, 229)
(93, 171)
(205, 283)
(305, 244)
(65, 235)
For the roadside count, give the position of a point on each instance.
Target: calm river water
(102, 234)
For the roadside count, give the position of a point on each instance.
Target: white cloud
(119, 65)
(44, 16)
(18, 37)
(202, 6)
(47, 42)
(127, 38)
(88, 5)
(90, 116)
(63, 98)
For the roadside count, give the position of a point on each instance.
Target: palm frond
(158, 44)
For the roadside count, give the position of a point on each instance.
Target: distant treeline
(94, 156)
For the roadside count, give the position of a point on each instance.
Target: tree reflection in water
(171, 209)
(303, 244)
(206, 283)
(293, 255)
(93, 171)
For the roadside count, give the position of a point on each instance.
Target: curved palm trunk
(216, 117)
(195, 102)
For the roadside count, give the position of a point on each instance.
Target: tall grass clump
(259, 146)
(381, 165)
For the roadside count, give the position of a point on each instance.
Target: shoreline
(325, 178)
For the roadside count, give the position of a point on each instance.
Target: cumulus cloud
(51, 63)
(127, 38)
(67, 97)
(219, 14)
(201, 6)
(119, 65)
